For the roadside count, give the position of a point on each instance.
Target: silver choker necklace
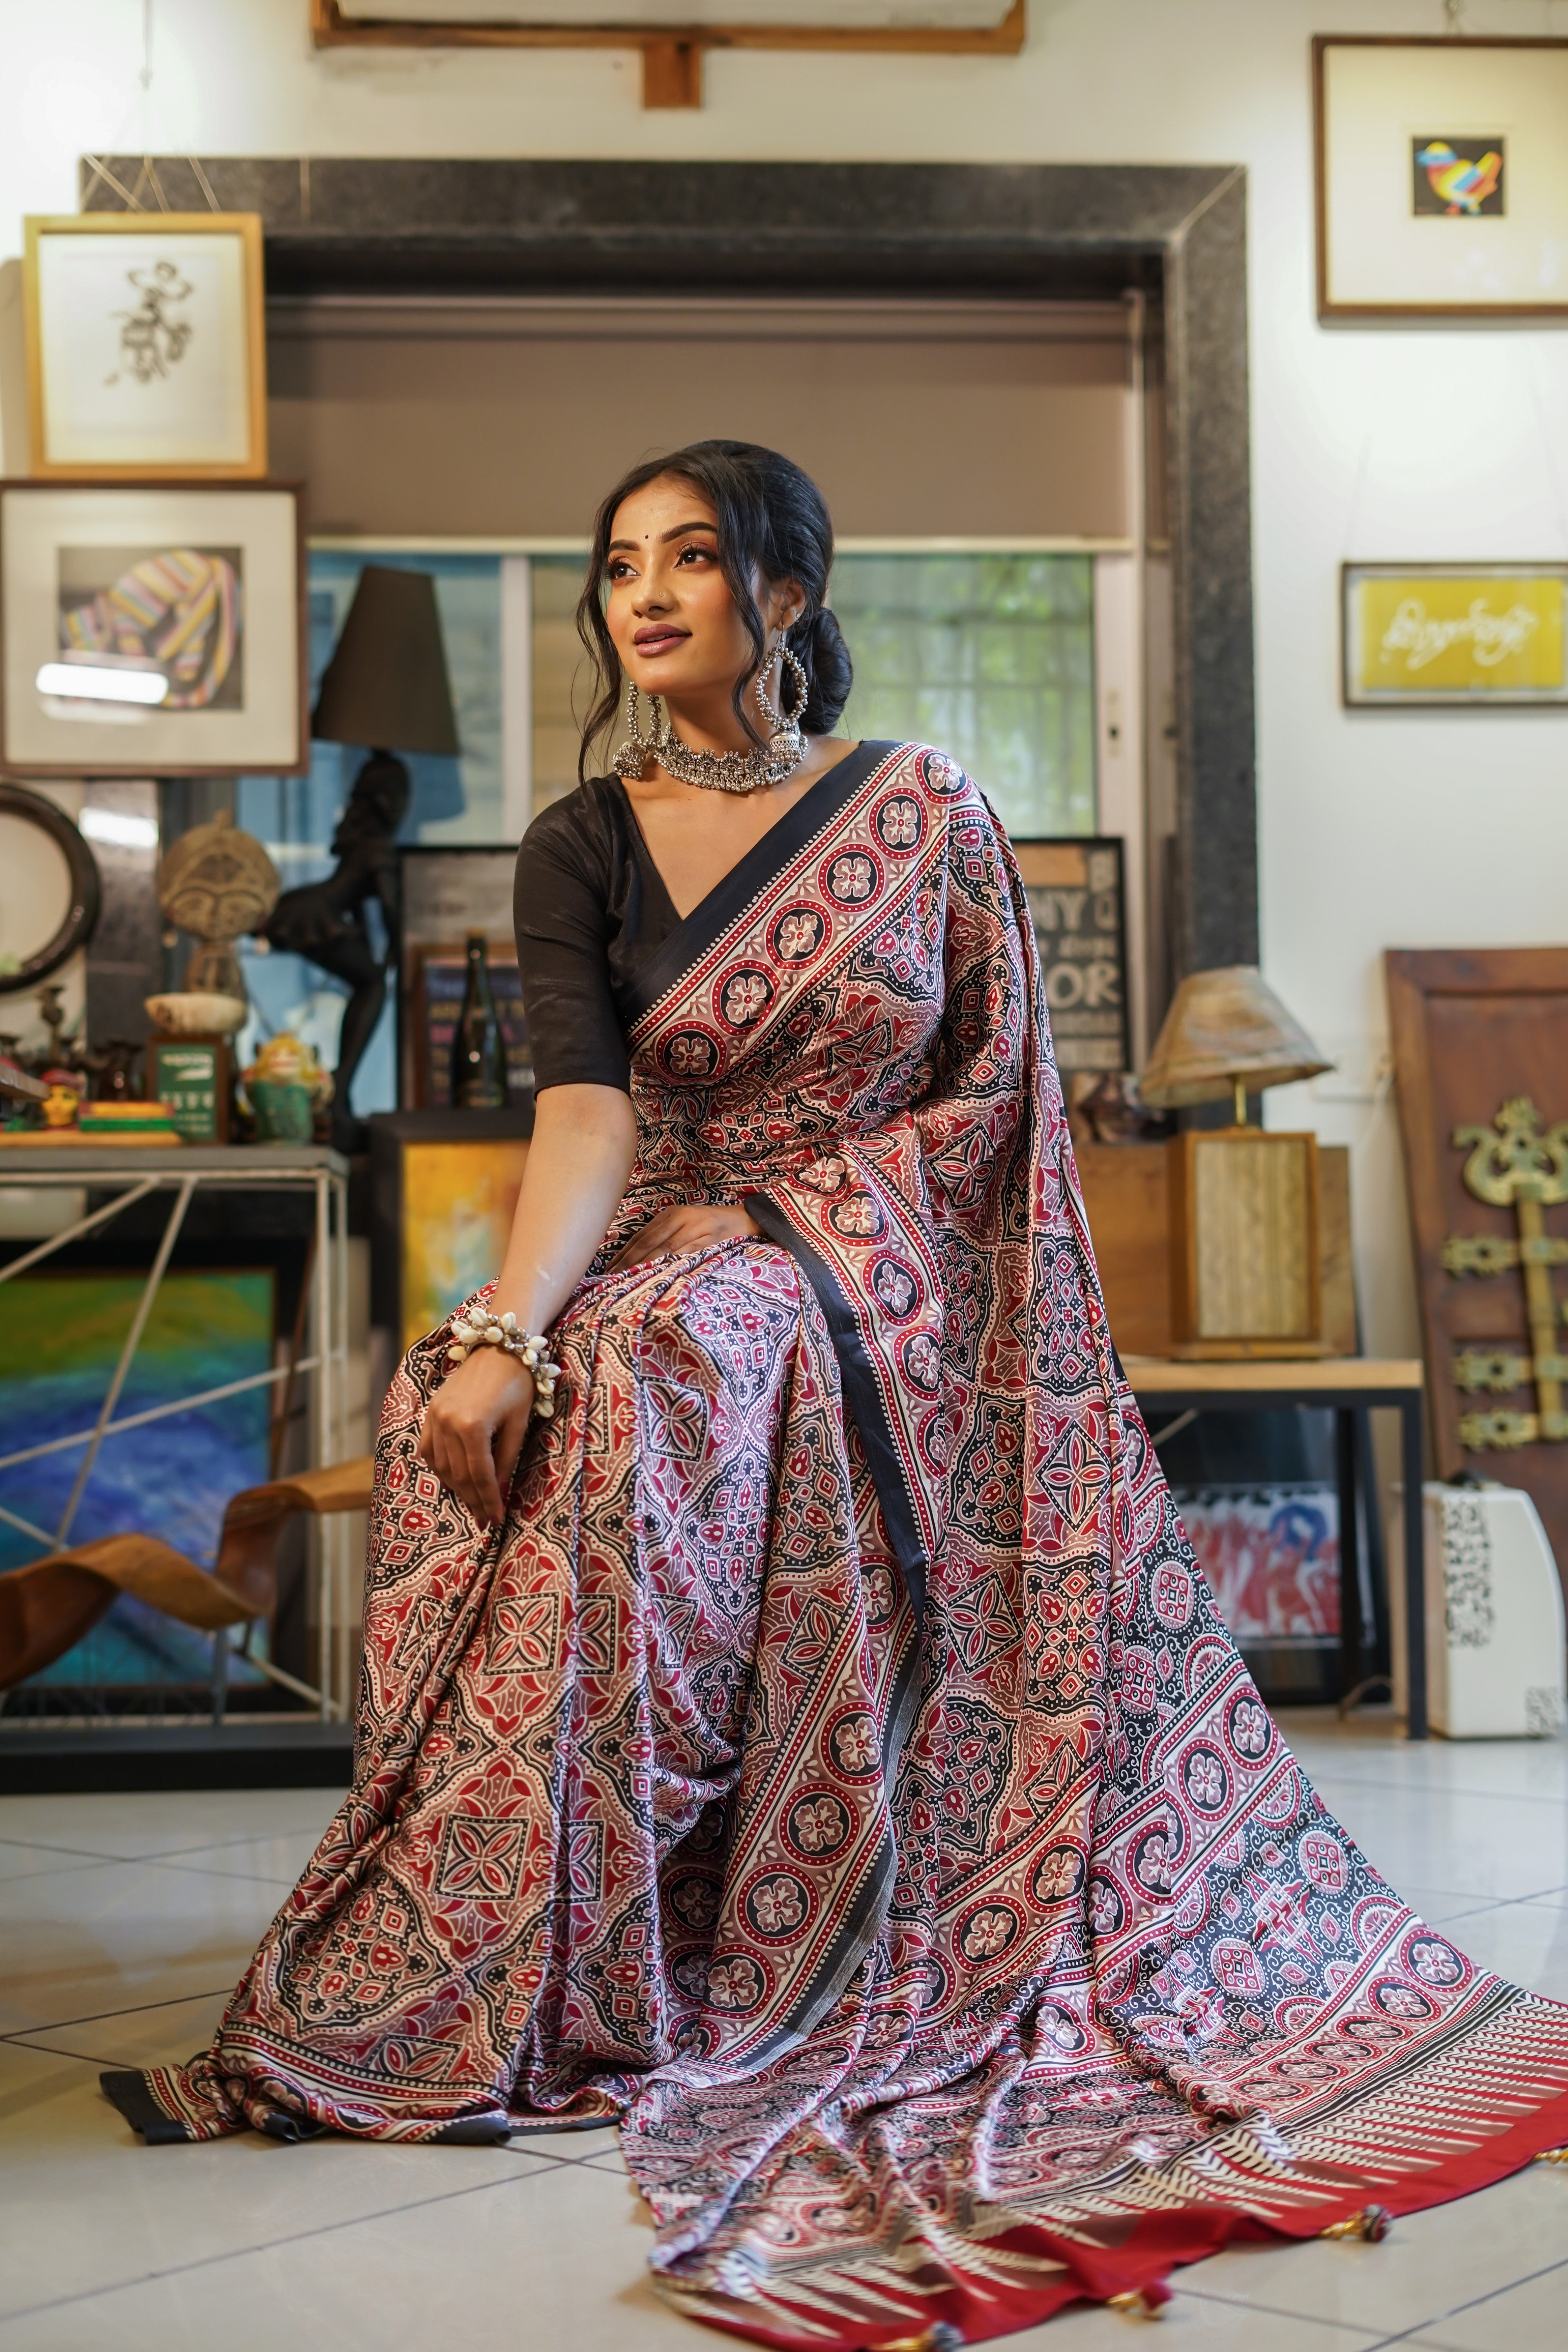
(720, 771)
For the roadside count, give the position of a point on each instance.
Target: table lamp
(1245, 1264)
(385, 686)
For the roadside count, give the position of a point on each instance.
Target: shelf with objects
(1225, 1256)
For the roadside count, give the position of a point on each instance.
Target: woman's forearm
(584, 1140)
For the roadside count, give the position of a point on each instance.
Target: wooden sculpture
(47, 1606)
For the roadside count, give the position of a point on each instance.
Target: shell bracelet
(480, 1328)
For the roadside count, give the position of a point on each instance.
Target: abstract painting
(458, 1205)
(60, 1337)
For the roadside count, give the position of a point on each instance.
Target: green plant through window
(989, 657)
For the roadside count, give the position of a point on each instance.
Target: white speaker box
(1497, 1652)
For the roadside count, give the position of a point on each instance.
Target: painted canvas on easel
(60, 1337)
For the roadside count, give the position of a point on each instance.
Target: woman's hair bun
(819, 645)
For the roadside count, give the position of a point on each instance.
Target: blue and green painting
(60, 1337)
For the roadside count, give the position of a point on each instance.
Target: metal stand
(130, 1174)
(1350, 1387)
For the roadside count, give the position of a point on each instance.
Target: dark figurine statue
(325, 921)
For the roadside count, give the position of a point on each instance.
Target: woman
(813, 1743)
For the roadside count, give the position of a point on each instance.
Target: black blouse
(592, 912)
(589, 905)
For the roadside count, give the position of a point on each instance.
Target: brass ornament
(1514, 1165)
(1371, 2225)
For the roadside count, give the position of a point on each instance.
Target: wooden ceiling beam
(672, 56)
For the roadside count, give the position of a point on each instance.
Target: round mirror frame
(86, 887)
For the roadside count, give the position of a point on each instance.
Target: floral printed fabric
(836, 1765)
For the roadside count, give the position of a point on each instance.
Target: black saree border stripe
(132, 2093)
(862, 1393)
(815, 810)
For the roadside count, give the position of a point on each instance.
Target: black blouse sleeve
(562, 911)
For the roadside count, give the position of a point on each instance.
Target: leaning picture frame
(1442, 176)
(1076, 888)
(146, 346)
(153, 629)
(443, 1188)
(1436, 636)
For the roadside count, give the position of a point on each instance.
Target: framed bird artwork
(1442, 176)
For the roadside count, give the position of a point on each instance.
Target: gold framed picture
(1442, 176)
(1430, 636)
(146, 346)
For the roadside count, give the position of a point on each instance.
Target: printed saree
(836, 1767)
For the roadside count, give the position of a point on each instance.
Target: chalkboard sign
(1074, 887)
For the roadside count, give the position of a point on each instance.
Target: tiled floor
(126, 1919)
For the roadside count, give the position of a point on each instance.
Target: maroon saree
(835, 1768)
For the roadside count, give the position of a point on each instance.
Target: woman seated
(794, 1724)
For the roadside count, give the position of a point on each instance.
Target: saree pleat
(836, 1767)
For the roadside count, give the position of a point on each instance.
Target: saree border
(699, 931)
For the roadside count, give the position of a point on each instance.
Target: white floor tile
(28, 1861)
(88, 2207)
(1189, 2323)
(1527, 1943)
(80, 1943)
(162, 2034)
(546, 2259)
(280, 1859)
(127, 1961)
(1428, 2263)
(163, 1820)
(1529, 2317)
(1495, 1847)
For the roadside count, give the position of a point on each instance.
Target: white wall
(1376, 831)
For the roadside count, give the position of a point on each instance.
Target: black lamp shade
(386, 683)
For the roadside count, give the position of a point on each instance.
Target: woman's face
(670, 615)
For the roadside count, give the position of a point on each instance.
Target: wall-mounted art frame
(1431, 636)
(198, 584)
(676, 36)
(1074, 884)
(1442, 176)
(146, 346)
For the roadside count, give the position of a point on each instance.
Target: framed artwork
(1430, 636)
(443, 1188)
(146, 346)
(1074, 885)
(438, 977)
(448, 890)
(1442, 176)
(151, 631)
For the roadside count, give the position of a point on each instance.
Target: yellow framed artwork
(1430, 636)
(443, 1188)
(146, 346)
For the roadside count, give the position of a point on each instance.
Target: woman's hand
(474, 1428)
(695, 1226)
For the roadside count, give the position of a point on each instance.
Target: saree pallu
(835, 1767)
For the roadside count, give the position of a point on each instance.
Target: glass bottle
(479, 1041)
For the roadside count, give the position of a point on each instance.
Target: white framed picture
(1442, 176)
(146, 346)
(152, 629)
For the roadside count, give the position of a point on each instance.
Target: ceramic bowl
(199, 1013)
